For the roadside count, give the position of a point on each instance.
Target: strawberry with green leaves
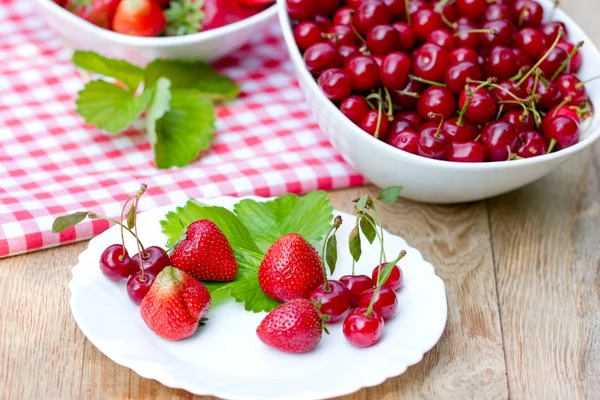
(175, 304)
(290, 269)
(185, 17)
(293, 327)
(98, 12)
(205, 253)
(139, 18)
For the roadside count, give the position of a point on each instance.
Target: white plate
(226, 359)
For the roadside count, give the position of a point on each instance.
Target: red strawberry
(98, 12)
(290, 269)
(174, 304)
(293, 327)
(139, 18)
(190, 16)
(205, 253)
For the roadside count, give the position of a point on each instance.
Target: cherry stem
(524, 13)
(380, 283)
(337, 222)
(560, 34)
(563, 103)
(362, 39)
(379, 112)
(390, 105)
(410, 94)
(582, 84)
(141, 254)
(382, 255)
(406, 9)
(123, 230)
(432, 83)
(490, 31)
(439, 8)
(92, 215)
(551, 146)
(565, 64)
(470, 93)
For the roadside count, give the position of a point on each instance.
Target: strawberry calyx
(184, 17)
(77, 5)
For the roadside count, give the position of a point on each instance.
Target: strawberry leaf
(131, 75)
(67, 221)
(367, 226)
(389, 194)
(354, 242)
(159, 105)
(331, 253)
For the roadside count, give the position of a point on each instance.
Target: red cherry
(570, 85)
(447, 10)
(471, 8)
(138, 286)
(383, 39)
(501, 93)
(414, 6)
(463, 54)
(155, 260)
(115, 263)
(336, 84)
(433, 142)
(503, 36)
(346, 52)
(436, 100)
(355, 108)
(425, 21)
(335, 302)
(520, 119)
(550, 30)
(302, 10)
(363, 71)
(343, 16)
(442, 38)
(458, 74)
(406, 36)
(321, 56)
(549, 94)
(394, 70)
(385, 303)
(527, 13)
(407, 140)
(406, 101)
(562, 110)
(501, 63)
(362, 330)
(429, 62)
(531, 41)
(328, 7)
(356, 284)
(482, 107)
(530, 144)
(394, 281)
(369, 124)
(342, 35)
(498, 138)
(306, 34)
(553, 61)
(497, 11)
(564, 130)
(466, 152)
(466, 35)
(370, 13)
(577, 60)
(523, 61)
(411, 116)
(323, 23)
(464, 132)
(397, 9)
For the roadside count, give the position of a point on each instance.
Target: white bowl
(435, 181)
(206, 46)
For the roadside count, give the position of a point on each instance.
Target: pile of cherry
(455, 80)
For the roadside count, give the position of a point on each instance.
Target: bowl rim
(298, 61)
(162, 41)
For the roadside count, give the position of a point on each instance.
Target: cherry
(563, 130)
(368, 14)
(394, 70)
(383, 39)
(346, 52)
(369, 124)
(355, 108)
(463, 54)
(155, 259)
(520, 119)
(429, 62)
(433, 142)
(496, 11)
(343, 16)
(138, 285)
(395, 279)
(498, 137)
(400, 124)
(523, 61)
(425, 21)
(335, 300)
(321, 56)
(406, 36)
(549, 93)
(328, 7)
(306, 34)
(530, 144)
(501, 63)
(442, 38)
(527, 13)
(302, 10)
(407, 101)
(435, 103)
(342, 35)
(336, 84)
(481, 108)
(458, 74)
(414, 6)
(356, 284)
(506, 91)
(323, 23)
(467, 35)
(363, 71)
(115, 262)
(385, 303)
(504, 31)
(463, 132)
(471, 8)
(445, 9)
(562, 110)
(550, 30)
(556, 57)
(577, 60)
(467, 152)
(363, 330)
(531, 41)
(407, 140)
(378, 59)
(411, 116)
(571, 86)
(397, 9)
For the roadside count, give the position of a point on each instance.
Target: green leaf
(131, 217)
(108, 106)
(387, 270)
(192, 75)
(67, 221)
(331, 253)
(184, 130)
(354, 242)
(159, 105)
(309, 216)
(367, 226)
(123, 71)
(362, 202)
(389, 194)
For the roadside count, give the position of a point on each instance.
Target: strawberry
(205, 253)
(174, 304)
(190, 16)
(98, 12)
(139, 18)
(290, 269)
(293, 327)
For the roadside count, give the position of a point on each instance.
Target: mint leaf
(331, 253)
(159, 105)
(108, 106)
(309, 216)
(184, 130)
(354, 242)
(192, 75)
(389, 194)
(67, 221)
(123, 71)
(367, 226)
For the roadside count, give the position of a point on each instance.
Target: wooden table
(522, 274)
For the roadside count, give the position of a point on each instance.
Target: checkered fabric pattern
(51, 163)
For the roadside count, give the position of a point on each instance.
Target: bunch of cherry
(454, 80)
(139, 270)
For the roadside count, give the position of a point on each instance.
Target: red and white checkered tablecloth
(51, 163)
